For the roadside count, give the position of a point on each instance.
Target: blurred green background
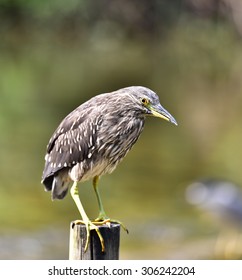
(56, 54)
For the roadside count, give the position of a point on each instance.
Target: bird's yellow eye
(145, 101)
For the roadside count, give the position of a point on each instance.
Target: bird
(92, 140)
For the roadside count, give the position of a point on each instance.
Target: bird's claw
(102, 222)
(107, 221)
(91, 226)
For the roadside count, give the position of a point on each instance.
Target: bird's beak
(160, 112)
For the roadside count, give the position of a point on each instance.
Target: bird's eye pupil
(144, 101)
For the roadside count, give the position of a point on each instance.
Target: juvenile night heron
(93, 139)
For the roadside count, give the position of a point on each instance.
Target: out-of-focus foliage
(56, 54)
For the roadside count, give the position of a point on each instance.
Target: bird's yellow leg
(102, 217)
(85, 220)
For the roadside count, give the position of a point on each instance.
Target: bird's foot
(91, 226)
(103, 219)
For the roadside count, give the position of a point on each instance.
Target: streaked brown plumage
(95, 137)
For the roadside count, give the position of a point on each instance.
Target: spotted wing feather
(70, 143)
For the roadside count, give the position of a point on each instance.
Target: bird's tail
(58, 185)
(59, 188)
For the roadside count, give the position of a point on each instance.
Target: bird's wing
(70, 122)
(72, 141)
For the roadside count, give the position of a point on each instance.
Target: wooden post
(111, 236)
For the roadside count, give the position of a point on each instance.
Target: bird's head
(148, 103)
